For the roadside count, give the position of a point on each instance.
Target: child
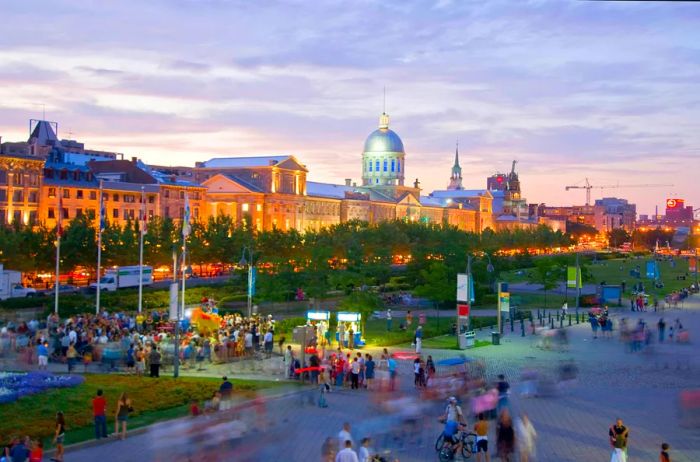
(194, 408)
(37, 452)
(664, 456)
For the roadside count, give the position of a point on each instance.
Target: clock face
(671, 203)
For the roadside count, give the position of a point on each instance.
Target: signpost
(503, 304)
(464, 298)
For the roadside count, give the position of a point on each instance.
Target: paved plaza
(641, 388)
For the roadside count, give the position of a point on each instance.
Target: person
(347, 454)
(288, 362)
(416, 372)
(664, 456)
(20, 451)
(122, 414)
(37, 453)
(419, 340)
(99, 405)
(409, 318)
(154, 359)
(481, 428)
(450, 434)
(59, 435)
(42, 351)
(619, 434)
(355, 377)
(226, 388)
(140, 362)
(391, 364)
(369, 371)
(564, 309)
(328, 450)
(503, 388)
(344, 435)
(453, 412)
(388, 319)
(526, 438)
(195, 411)
(661, 325)
(365, 451)
(268, 341)
(505, 436)
(430, 367)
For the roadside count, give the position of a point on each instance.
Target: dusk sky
(571, 89)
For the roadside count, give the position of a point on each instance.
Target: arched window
(385, 164)
(398, 165)
(370, 165)
(376, 165)
(393, 165)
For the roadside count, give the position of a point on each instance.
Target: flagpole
(58, 249)
(185, 233)
(141, 232)
(99, 252)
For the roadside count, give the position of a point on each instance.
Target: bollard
(550, 318)
(569, 320)
(511, 323)
(561, 322)
(522, 327)
(551, 323)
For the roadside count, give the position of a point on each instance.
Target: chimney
(133, 160)
(354, 185)
(348, 181)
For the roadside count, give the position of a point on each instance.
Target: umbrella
(454, 361)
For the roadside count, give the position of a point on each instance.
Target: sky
(570, 89)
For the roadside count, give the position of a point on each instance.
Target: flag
(142, 214)
(59, 216)
(573, 282)
(186, 226)
(103, 213)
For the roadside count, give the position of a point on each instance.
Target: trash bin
(496, 338)
(462, 341)
(470, 338)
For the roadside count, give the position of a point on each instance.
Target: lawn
(153, 400)
(377, 335)
(449, 342)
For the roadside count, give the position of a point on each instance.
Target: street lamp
(248, 262)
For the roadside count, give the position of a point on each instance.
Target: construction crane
(588, 186)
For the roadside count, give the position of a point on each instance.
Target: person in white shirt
(365, 451)
(347, 454)
(344, 436)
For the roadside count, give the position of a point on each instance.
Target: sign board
(610, 294)
(504, 302)
(251, 281)
(318, 315)
(462, 287)
(173, 300)
(693, 264)
(463, 310)
(652, 269)
(571, 278)
(348, 317)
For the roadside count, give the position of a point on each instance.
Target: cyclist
(453, 412)
(451, 434)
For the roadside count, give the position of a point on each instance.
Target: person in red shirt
(99, 405)
(37, 453)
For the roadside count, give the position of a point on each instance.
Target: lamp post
(248, 262)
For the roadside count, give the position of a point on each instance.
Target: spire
(384, 118)
(456, 177)
(456, 165)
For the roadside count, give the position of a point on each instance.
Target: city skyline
(569, 89)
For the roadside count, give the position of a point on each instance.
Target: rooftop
(242, 162)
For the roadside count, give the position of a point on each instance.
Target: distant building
(618, 213)
(605, 215)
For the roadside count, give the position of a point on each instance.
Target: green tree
(438, 284)
(547, 274)
(618, 236)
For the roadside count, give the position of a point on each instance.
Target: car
(65, 289)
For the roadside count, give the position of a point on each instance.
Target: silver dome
(383, 140)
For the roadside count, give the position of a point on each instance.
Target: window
(18, 196)
(52, 192)
(385, 164)
(126, 214)
(48, 173)
(3, 195)
(78, 213)
(151, 199)
(105, 197)
(79, 194)
(129, 198)
(66, 193)
(3, 177)
(115, 197)
(17, 216)
(393, 165)
(64, 174)
(33, 179)
(182, 194)
(65, 213)
(51, 213)
(93, 195)
(76, 175)
(167, 193)
(32, 217)
(370, 165)
(17, 179)
(258, 207)
(115, 213)
(33, 197)
(245, 207)
(150, 214)
(131, 214)
(376, 165)
(182, 212)
(398, 165)
(196, 212)
(167, 210)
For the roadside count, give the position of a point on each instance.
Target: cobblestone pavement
(572, 425)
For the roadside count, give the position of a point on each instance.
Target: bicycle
(447, 451)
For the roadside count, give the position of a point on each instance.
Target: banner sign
(652, 270)
(462, 287)
(693, 265)
(504, 301)
(571, 278)
(251, 281)
(462, 310)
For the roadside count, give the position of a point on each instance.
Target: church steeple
(456, 178)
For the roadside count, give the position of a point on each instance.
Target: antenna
(43, 110)
(384, 106)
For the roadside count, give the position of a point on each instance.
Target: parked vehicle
(64, 289)
(11, 285)
(121, 277)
